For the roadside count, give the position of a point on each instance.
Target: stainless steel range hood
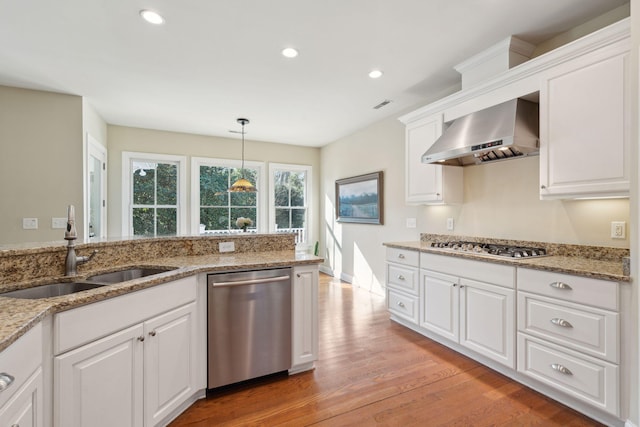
(504, 131)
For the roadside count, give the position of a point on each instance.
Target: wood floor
(373, 372)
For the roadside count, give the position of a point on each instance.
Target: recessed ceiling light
(152, 17)
(375, 74)
(289, 52)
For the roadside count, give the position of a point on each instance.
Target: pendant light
(242, 185)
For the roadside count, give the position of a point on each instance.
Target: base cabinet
(136, 376)
(304, 318)
(21, 371)
(477, 315)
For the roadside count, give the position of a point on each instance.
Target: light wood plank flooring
(373, 372)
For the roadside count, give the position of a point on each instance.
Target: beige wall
(40, 162)
(152, 141)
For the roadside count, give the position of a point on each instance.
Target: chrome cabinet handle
(454, 284)
(5, 381)
(560, 285)
(400, 277)
(542, 187)
(400, 304)
(401, 256)
(561, 322)
(152, 333)
(298, 275)
(141, 338)
(563, 370)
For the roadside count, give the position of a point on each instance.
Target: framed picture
(360, 199)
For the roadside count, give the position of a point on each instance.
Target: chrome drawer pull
(558, 367)
(561, 322)
(400, 304)
(560, 285)
(5, 381)
(401, 256)
(400, 277)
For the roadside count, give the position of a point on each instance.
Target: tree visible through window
(154, 198)
(290, 201)
(219, 209)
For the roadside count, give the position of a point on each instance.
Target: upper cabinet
(585, 119)
(584, 126)
(424, 183)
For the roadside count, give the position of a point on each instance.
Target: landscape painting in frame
(360, 199)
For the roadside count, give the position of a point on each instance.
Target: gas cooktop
(504, 251)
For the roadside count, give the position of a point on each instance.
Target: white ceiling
(216, 60)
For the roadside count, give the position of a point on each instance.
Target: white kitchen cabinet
(100, 384)
(427, 183)
(569, 335)
(471, 303)
(584, 126)
(21, 392)
(304, 328)
(146, 370)
(402, 283)
(169, 362)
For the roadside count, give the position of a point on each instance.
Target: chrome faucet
(73, 261)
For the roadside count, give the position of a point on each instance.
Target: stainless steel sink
(51, 290)
(124, 275)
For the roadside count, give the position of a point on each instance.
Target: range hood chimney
(504, 131)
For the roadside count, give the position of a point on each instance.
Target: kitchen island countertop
(17, 316)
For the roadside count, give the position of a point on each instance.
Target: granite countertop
(581, 266)
(17, 316)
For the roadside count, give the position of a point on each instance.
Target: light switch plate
(411, 223)
(58, 222)
(30, 223)
(226, 246)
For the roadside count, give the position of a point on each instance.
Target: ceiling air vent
(382, 104)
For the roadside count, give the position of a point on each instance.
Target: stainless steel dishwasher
(249, 325)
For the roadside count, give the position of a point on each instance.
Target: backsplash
(18, 265)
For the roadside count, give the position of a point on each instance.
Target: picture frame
(360, 199)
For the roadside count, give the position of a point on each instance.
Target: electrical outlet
(618, 230)
(58, 222)
(411, 223)
(30, 223)
(226, 246)
(450, 224)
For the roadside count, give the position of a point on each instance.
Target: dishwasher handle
(251, 282)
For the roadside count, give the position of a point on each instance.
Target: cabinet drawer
(20, 360)
(583, 328)
(496, 274)
(403, 256)
(404, 278)
(84, 324)
(583, 290)
(586, 378)
(404, 306)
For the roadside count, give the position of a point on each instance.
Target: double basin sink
(91, 282)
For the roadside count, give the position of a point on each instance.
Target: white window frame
(273, 167)
(127, 158)
(196, 162)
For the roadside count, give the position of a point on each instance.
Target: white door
(100, 384)
(96, 185)
(439, 304)
(169, 362)
(24, 409)
(487, 320)
(305, 315)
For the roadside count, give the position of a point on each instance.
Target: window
(213, 208)
(290, 200)
(153, 194)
